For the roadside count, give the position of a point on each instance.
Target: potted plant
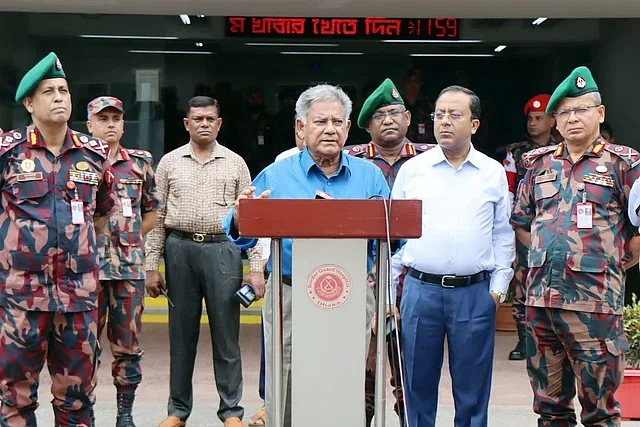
(629, 392)
(504, 317)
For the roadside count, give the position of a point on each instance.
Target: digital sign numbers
(345, 28)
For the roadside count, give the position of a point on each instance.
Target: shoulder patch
(11, 139)
(94, 144)
(628, 154)
(357, 150)
(529, 158)
(424, 147)
(143, 154)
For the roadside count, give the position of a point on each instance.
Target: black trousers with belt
(213, 271)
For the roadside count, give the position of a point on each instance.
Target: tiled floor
(510, 401)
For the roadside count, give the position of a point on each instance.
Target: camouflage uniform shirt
(121, 245)
(369, 152)
(575, 268)
(46, 262)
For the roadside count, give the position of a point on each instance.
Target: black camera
(246, 295)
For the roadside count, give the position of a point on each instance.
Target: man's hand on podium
(256, 280)
(247, 193)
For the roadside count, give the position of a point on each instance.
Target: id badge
(260, 139)
(127, 211)
(77, 211)
(422, 129)
(585, 215)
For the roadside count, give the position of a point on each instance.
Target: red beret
(537, 104)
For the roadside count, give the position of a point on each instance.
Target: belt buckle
(198, 237)
(444, 278)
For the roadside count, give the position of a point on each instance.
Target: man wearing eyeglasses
(386, 119)
(571, 212)
(459, 270)
(539, 127)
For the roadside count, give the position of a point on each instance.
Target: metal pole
(275, 412)
(381, 348)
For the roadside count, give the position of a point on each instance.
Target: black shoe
(518, 353)
(125, 406)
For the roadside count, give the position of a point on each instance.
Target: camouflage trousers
(123, 302)
(370, 376)
(67, 343)
(519, 293)
(564, 346)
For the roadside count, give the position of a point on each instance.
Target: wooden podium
(328, 300)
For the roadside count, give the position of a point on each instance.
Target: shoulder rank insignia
(357, 150)
(529, 158)
(11, 139)
(143, 154)
(94, 144)
(628, 154)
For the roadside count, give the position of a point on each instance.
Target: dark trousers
(466, 316)
(261, 381)
(212, 271)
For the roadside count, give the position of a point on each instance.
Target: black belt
(449, 281)
(199, 237)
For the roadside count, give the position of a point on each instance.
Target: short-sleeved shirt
(575, 268)
(48, 263)
(121, 245)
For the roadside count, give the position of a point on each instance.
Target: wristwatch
(501, 296)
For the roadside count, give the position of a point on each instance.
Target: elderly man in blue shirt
(459, 270)
(323, 122)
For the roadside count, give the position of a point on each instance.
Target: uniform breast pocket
(85, 192)
(599, 194)
(546, 197)
(129, 248)
(32, 199)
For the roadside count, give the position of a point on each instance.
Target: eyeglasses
(439, 115)
(580, 112)
(393, 115)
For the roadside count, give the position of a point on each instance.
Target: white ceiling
(342, 8)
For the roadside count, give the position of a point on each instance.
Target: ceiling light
(107, 36)
(294, 44)
(452, 55)
(171, 52)
(539, 21)
(199, 44)
(431, 41)
(200, 16)
(321, 53)
(185, 19)
(500, 48)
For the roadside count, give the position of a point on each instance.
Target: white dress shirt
(266, 243)
(634, 203)
(465, 217)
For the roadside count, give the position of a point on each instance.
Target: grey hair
(596, 97)
(323, 92)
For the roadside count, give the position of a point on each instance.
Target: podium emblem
(329, 286)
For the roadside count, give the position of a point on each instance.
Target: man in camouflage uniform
(572, 213)
(386, 119)
(121, 250)
(539, 126)
(54, 182)
(420, 129)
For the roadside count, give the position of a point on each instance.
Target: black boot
(518, 353)
(125, 406)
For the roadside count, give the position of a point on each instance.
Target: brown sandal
(259, 419)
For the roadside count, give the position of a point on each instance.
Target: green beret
(385, 94)
(578, 83)
(48, 68)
